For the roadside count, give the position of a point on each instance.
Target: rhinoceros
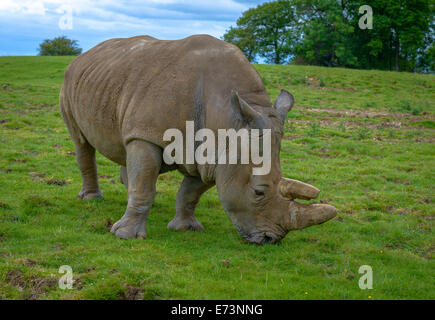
(122, 95)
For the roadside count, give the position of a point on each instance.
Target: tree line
(327, 33)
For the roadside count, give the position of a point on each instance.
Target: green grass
(365, 138)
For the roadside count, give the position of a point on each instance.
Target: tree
(401, 33)
(325, 37)
(60, 46)
(242, 38)
(265, 31)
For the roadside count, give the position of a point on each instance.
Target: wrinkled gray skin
(121, 96)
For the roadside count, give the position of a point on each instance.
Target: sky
(24, 24)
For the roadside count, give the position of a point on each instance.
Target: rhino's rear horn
(294, 189)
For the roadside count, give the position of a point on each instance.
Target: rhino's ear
(283, 104)
(254, 118)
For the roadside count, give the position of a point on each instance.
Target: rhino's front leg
(187, 198)
(143, 165)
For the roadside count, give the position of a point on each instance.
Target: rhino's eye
(259, 193)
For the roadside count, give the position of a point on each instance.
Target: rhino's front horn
(294, 189)
(306, 215)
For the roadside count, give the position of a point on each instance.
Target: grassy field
(365, 138)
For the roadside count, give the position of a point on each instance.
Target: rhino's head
(261, 206)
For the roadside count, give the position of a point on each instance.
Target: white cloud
(34, 8)
(9, 6)
(97, 20)
(23, 7)
(38, 7)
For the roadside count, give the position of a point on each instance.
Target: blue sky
(24, 24)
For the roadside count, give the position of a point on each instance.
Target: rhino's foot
(85, 195)
(130, 226)
(189, 223)
(306, 215)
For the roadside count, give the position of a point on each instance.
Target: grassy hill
(365, 138)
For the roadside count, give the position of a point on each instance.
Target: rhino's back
(138, 87)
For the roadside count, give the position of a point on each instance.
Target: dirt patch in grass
(427, 253)
(30, 262)
(37, 175)
(5, 86)
(3, 237)
(319, 84)
(56, 181)
(35, 285)
(4, 254)
(131, 293)
(324, 117)
(108, 224)
(4, 205)
(226, 263)
(39, 107)
(351, 113)
(41, 286)
(315, 83)
(16, 278)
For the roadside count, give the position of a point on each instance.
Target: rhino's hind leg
(85, 154)
(187, 198)
(123, 176)
(143, 165)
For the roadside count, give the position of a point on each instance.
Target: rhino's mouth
(260, 237)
